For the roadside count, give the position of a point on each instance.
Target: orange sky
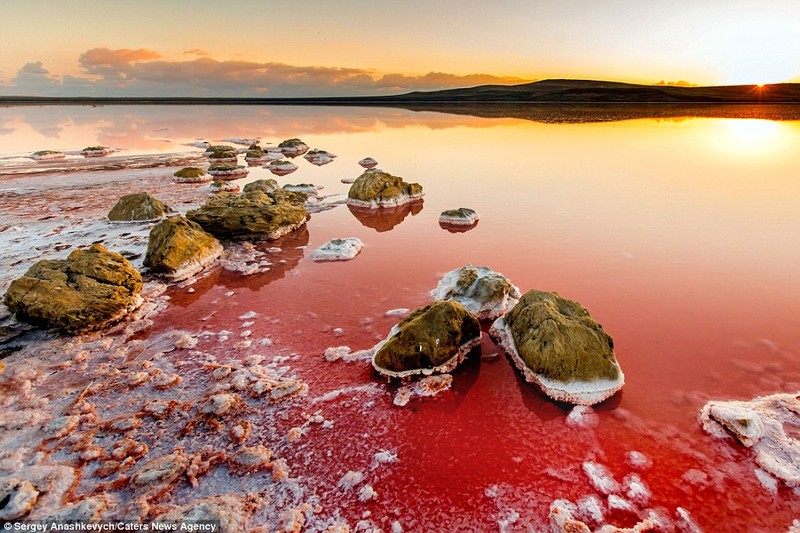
(347, 47)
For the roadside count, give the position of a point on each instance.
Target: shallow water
(681, 236)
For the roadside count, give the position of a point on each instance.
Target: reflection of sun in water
(752, 136)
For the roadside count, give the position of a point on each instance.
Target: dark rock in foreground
(179, 248)
(375, 188)
(138, 207)
(432, 339)
(251, 215)
(89, 290)
(559, 347)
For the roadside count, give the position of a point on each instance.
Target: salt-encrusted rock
(223, 156)
(463, 216)
(375, 188)
(227, 171)
(368, 163)
(251, 215)
(308, 189)
(219, 148)
(85, 511)
(17, 497)
(557, 346)
(44, 155)
(255, 155)
(191, 175)
(223, 186)
(761, 424)
(293, 147)
(138, 207)
(482, 291)
(337, 250)
(179, 248)
(319, 157)
(281, 167)
(161, 471)
(228, 512)
(432, 339)
(87, 291)
(96, 151)
(265, 186)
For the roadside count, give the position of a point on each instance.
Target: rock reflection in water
(385, 219)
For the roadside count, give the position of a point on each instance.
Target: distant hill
(546, 91)
(583, 91)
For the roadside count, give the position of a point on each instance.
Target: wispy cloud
(196, 52)
(127, 72)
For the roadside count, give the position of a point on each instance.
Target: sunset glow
(279, 49)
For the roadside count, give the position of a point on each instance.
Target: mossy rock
(87, 291)
(95, 148)
(557, 339)
(429, 338)
(267, 185)
(254, 153)
(223, 155)
(138, 207)
(255, 146)
(375, 188)
(220, 148)
(179, 248)
(223, 167)
(46, 152)
(190, 172)
(291, 143)
(251, 215)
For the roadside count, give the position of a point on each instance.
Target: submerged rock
(482, 291)
(227, 171)
(251, 215)
(319, 157)
(96, 151)
(223, 186)
(293, 147)
(44, 155)
(368, 163)
(87, 291)
(338, 250)
(463, 216)
(191, 175)
(281, 167)
(761, 424)
(264, 186)
(138, 207)
(559, 347)
(179, 248)
(375, 188)
(432, 339)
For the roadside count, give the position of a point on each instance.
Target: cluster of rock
(223, 156)
(139, 207)
(553, 341)
(255, 155)
(45, 155)
(375, 189)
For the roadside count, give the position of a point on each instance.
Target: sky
(280, 48)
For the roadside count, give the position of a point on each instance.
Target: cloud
(679, 83)
(142, 72)
(196, 52)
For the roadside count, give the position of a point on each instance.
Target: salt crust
(337, 250)
(575, 392)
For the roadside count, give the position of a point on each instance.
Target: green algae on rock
(179, 248)
(265, 186)
(227, 171)
(558, 346)
(138, 207)
(191, 175)
(376, 188)
(43, 155)
(293, 147)
(96, 151)
(219, 185)
(251, 215)
(482, 291)
(89, 290)
(432, 339)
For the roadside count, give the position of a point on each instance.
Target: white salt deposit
(590, 509)
(488, 296)
(401, 311)
(685, 521)
(337, 250)
(582, 416)
(766, 480)
(638, 460)
(367, 493)
(601, 478)
(635, 489)
(383, 457)
(620, 505)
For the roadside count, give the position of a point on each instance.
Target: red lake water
(680, 236)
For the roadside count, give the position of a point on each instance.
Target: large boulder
(179, 248)
(87, 291)
(251, 215)
(432, 339)
(376, 188)
(138, 207)
(482, 291)
(559, 347)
